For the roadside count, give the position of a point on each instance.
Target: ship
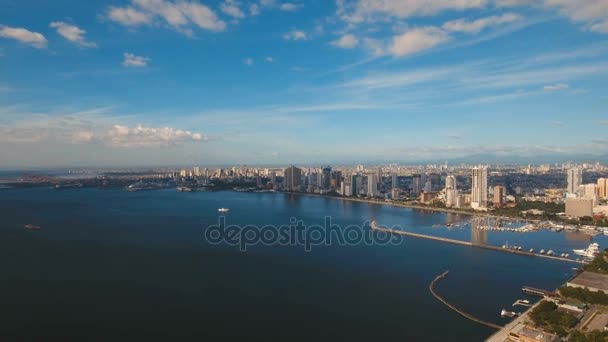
(31, 227)
(223, 210)
(590, 252)
(184, 189)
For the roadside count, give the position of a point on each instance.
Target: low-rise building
(579, 207)
(525, 333)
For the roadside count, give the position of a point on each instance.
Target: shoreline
(411, 206)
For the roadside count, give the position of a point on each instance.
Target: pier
(460, 312)
(469, 244)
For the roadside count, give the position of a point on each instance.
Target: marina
(375, 226)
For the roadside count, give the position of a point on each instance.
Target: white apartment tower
(479, 188)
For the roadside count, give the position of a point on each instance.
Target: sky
(221, 82)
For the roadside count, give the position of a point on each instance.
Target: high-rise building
(379, 175)
(575, 178)
(416, 184)
(479, 187)
(602, 188)
(372, 185)
(499, 195)
(450, 182)
(451, 197)
(428, 186)
(394, 181)
(293, 176)
(326, 178)
(579, 207)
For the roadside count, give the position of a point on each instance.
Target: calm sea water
(111, 264)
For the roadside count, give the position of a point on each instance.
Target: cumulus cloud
(231, 8)
(417, 40)
(476, 26)
(289, 7)
(23, 35)
(269, 59)
(72, 33)
(555, 87)
(142, 136)
(179, 15)
(295, 35)
(347, 41)
(131, 60)
(248, 61)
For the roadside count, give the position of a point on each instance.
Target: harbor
(375, 226)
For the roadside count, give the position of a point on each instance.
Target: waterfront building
(416, 184)
(394, 181)
(579, 207)
(326, 178)
(451, 198)
(428, 197)
(395, 193)
(589, 191)
(372, 185)
(479, 188)
(575, 178)
(292, 178)
(379, 175)
(428, 186)
(499, 195)
(461, 201)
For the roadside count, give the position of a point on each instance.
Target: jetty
(375, 226)
(460, 312)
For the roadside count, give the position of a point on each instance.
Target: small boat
(31, 227)
(550, 252)
(542, 251)
(223, 210)
(505, 313)
(531, 250)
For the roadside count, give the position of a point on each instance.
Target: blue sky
(163, 82)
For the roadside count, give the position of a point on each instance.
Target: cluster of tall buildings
(582, 198)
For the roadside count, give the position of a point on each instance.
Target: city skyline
(160, 82)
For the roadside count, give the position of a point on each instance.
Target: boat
(531, 250)
(223, 210)
(31, 227)
(505, 313)
(542, 251)
(550, 252)
(590, 252)
(184, 189)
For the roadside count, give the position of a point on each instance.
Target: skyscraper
(372, 185)
(602, 188)
(479, 188)
(394, 181)
(326, 178)
(499, 193)
(292, 178)
(416, 184)
(575, 178)
(450, 182)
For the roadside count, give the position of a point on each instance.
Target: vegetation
(599, 264)
(546, 316)
(550, 209)
(584, 295)
(594, 336)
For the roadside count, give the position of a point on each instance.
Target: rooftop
(589, 279)
(532, 333)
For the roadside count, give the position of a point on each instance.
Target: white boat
(223, 210)
(590, 252)
(542, 251)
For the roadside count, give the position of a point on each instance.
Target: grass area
(599, 264)
(594, 336)
(546, 316)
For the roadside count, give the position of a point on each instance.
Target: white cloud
(142, 136)
(132, 60)
(72, 33)
(295, 35)
(180, 15)
(128, 16)
(592, 13)
(290, 7)
(555, 87)
(23, 35)
(347, 41)
(267, 3)
(254, 9)
(476, 26)
(367, 10)
(231, 8)
(248, 61)
(269, 59)
(417, 40)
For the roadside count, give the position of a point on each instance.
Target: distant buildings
(293, 176)
(579, 207)
(575, 178)
(479, 188)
